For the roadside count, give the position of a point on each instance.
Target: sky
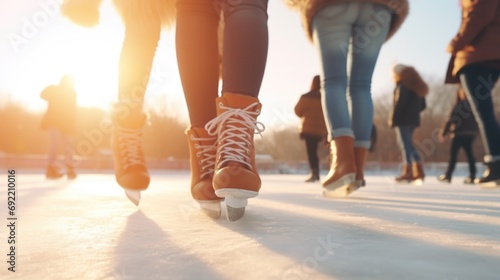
(38, 45)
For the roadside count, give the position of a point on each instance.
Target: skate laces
(235, 143)
(130, 143)
(208, 151)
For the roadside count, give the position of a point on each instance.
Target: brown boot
(236, 177)
(360, 158)
(202, 151)
(418, 172)
(341, 176)
(129, 163)
(406, 174)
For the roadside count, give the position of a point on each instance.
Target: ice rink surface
(87, 229)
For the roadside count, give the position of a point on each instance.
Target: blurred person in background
(475, 61)
(60, 122)
(312, 128)
(408, 103)
(462, 128)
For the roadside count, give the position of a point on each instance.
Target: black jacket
(461, 121)
(407, 106)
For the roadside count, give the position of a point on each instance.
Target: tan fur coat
(86, 12)
(410, 78)
(309, 8)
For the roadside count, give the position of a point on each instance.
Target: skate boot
(406, 174)
(491, 176)
(314, 176)
(341, 177)
(360, 158)
(130, 166)
(52, 172)
(236, 178)
(445, 178)
(70, 172)
(418, 173)
(202, 151)
(469, 180)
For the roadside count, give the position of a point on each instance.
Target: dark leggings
(244, 57)
(478, 83)
(465, 142)
(312, 151)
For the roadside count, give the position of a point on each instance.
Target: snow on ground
(87, 229)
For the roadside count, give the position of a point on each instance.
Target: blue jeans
(354, 30)
(478, 83)
(404, 135)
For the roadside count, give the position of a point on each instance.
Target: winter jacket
(478, 39)
(61, 109)
(409, 99)
(310, 112)
(461, 121)
(308, 9)
(86, 12)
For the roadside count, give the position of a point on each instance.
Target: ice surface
(88, 229)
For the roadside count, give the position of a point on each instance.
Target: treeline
(164, 135)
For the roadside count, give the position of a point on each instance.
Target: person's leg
(312, 157)
(417, 168)
(467, 142)
(456, 143)
(478, 83)
(198, 62)
(332, 30)
(369, 33)
(136, 60)
(52, 171)
(69, 150)
(198, 57)
(403, 137)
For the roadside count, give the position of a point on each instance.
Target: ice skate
(417, 173)
(129, 163)
(406, 174)
(52, 172)
(341, 179)
(202, 151)
(236, 178)
(491, 176)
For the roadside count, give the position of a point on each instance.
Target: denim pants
(404, 136)
(478, 83)
(351, 32)
(58, 139)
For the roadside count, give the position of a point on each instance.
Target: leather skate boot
(52, 172)
(236, 178)
(70, 172)
(418, 173)
(130, 166)
(360, 158)
(406, 174)
(342, 175)
(202, 152)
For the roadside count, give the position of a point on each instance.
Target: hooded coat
(409, 98)
(308, 8)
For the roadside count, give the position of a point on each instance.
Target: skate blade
(210, 207)
(418, 182)
(236, 200)
(234, 214)
(341, 187)
(134, 196)
(490, 185)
